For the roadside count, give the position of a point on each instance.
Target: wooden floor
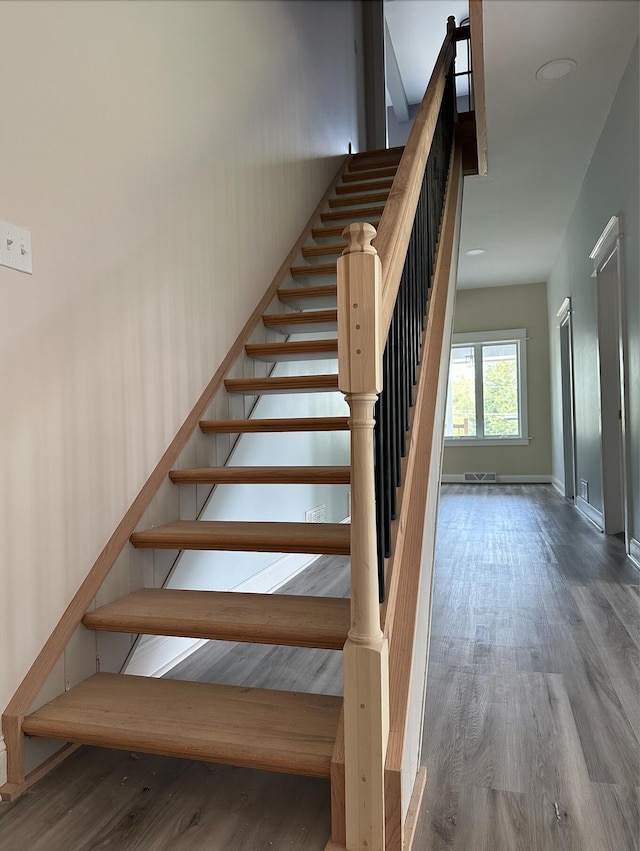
(533, 699)
(533, 693)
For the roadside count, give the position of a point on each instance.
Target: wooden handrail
(408, 601)
(395, 225)
(44, 663)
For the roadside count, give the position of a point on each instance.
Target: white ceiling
(541, 136)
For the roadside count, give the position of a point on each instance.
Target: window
(487, 393)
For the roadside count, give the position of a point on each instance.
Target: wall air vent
(315, 515)
(480, 477)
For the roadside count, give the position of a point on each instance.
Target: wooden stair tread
(312, 317)
(299, 350)
(352, 188)
(368, 198)
(376, 173)
(312, 271)
(374, 163)
(360, 214)
(253, 728)
(287, 620)
(396, 151)
(325, 475)
(239, 536)
(284, 424)
(283, 384)
(320, 250)
(295, 293)
(337, 230)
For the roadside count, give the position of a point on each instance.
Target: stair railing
(382, 303)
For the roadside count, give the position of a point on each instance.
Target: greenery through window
(486, 398)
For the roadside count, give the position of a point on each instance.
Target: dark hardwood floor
(533, 709)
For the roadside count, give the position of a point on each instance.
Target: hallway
(533, 697)
(533, 694)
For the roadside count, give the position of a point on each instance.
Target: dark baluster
(379, 437)
(404, 343)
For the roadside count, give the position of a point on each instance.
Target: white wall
(610, 188)
(165, 156)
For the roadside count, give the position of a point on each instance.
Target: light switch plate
(15, 248)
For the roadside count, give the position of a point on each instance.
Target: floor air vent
(480, 477)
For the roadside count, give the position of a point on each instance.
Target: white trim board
(634, 552)
(3, 761)
(501, 479)
(558, 485)
(591, 513)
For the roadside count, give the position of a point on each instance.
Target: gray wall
(610, 188)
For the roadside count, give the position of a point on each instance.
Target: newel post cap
(359, 236)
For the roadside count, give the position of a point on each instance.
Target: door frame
(565, 323)
(608, 249)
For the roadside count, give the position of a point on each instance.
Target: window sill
(487, 441)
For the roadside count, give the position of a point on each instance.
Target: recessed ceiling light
(555, 70)
(474, 251)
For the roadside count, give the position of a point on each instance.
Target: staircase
(249, 727)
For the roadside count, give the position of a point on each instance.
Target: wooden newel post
(366, 667)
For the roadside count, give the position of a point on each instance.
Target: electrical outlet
(15, 248)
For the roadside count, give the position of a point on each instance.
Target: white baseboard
(275, 575)
(558, 485)
(502, 479)
(591, 513)
(634, 552)
(3, 762)
(158, 654)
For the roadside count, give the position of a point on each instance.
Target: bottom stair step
(253, 728)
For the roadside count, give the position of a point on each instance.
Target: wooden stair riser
(250, 728)
(290, 425)
(235, 536)
(290, 621)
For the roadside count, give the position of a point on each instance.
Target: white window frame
(479, 338)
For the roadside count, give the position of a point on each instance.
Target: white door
(611, 350)
(568, 410)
